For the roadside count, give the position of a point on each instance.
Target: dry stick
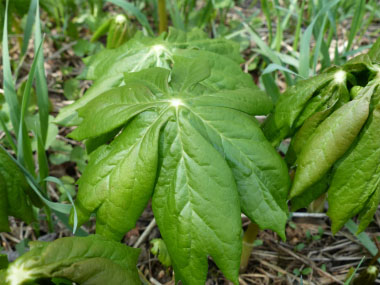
(145, 234)
(12, 238)
(241, 281)
(61, 50)
(282, 271)
(308, 215)
(310, 263)
(154, 281)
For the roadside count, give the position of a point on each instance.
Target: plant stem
(318, 205)
(162, 16)
(248, 240)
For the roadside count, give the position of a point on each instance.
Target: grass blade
(364, 239)
(59, 207)
(43, 165)
(348, 281)
(9, 85)
(318, 45)
(29, 26)
(175, 15)
(59, 182)
(8, 135)
(273, 67)
(266, 50)
(25, 155)
(270, 86)
(41, 85)
(265, 9)
(62, 208)
(65, 220)
(276, 45)
(306, 39)
(356, 22)
(298, 27)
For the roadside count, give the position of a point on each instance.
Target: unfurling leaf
(332, 138)
(355, 184)
(91, 260)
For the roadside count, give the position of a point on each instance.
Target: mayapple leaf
(357, 175)
(143, 52)
(332, 138)
(369, 210)
(14, 191)
(305, 132)
(316, 103)
(185, 151)
(310, 194)
(88, 260)
(359, 63)
(108, 66)
(290, 105)
(114, 109)
(248, 154)
(196, 205)
(119, 179)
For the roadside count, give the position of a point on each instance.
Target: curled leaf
(332, 138)
(88, 260)
(357, 175)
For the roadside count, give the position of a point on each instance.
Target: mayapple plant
(179, 128)
(333, 119)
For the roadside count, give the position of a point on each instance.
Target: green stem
(250, 236)
(162, 17)
(318, 205)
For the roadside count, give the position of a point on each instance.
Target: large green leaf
(119, 180)
(13, 191)
(332, 138)
(179, 142)
(249, 155)
(143, 52)
(196, 205)
(357, 175)
(305, 132)
(88, 260)
(369, 210)
(107, 67)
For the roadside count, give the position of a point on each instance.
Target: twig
(282, 271)
(308, 215)
(145, 234)
(310, 263)
(154, 281)
(8, 236)
(61, 50)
